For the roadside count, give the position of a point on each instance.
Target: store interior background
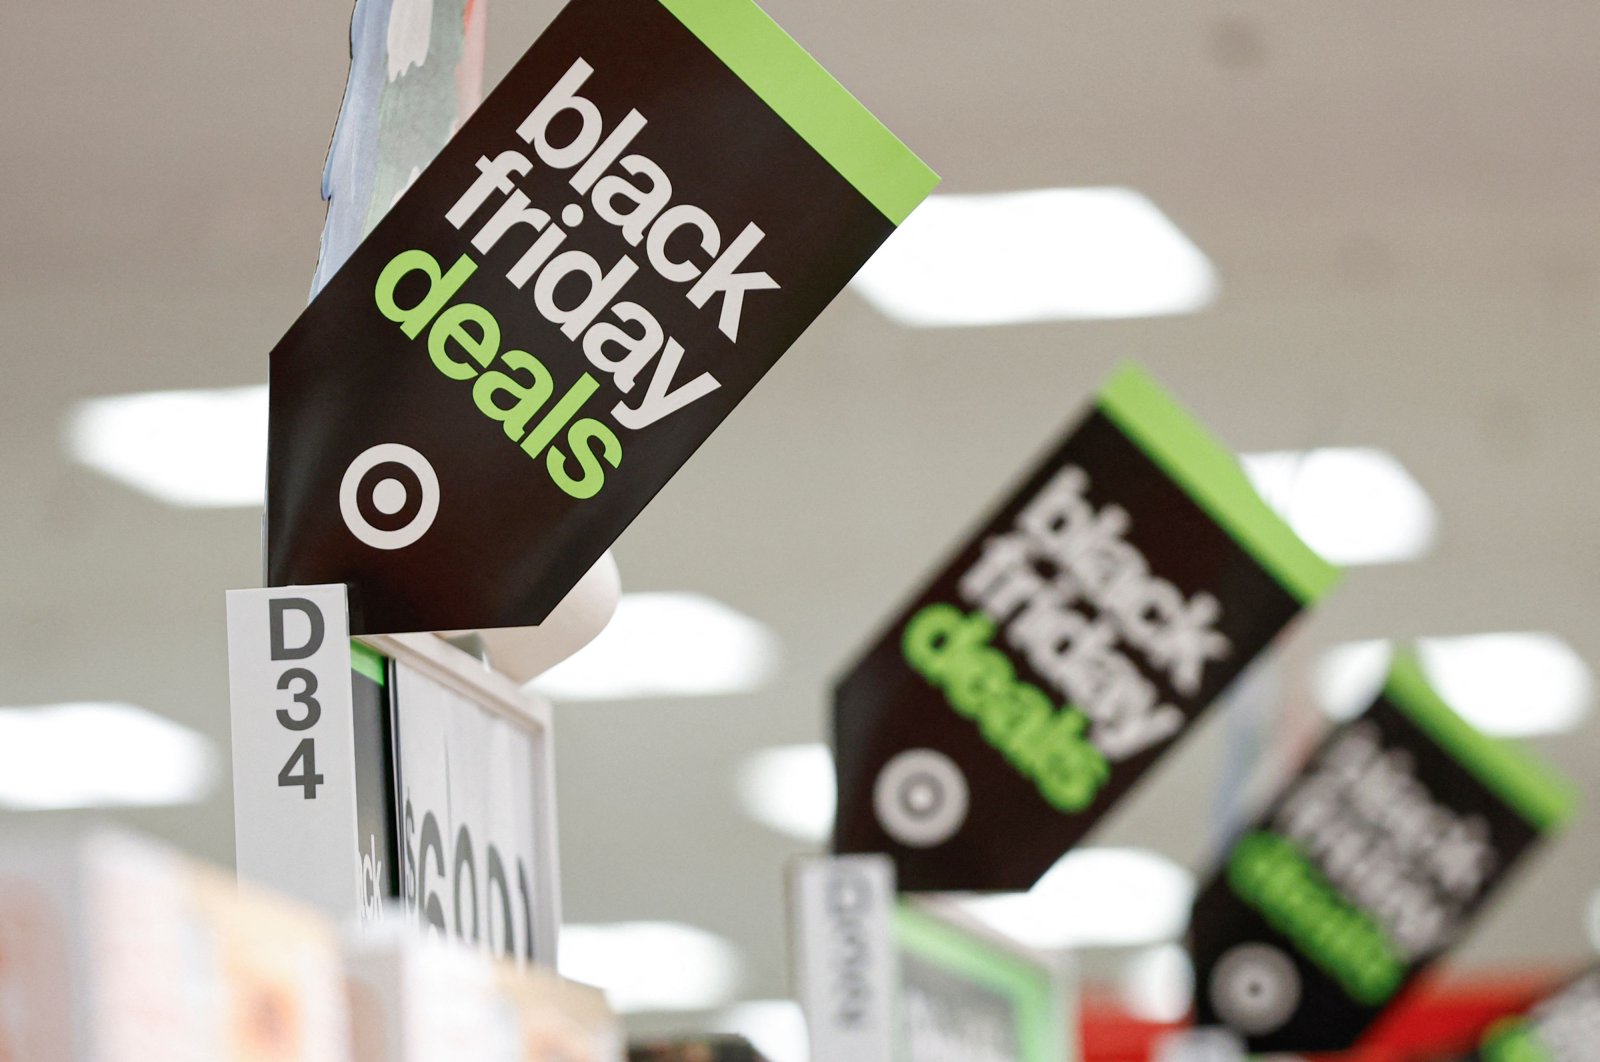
(1399, 207)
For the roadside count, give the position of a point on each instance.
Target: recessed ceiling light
(1050, 254)
(651, 966)
(189, 448)
(1353, 505)
(790, 789)
(667, 645)
(100, 755)
(1096, 897)
(1509, 684)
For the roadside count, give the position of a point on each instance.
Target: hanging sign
(1069, 644)
(627, 234)
(1367, 868)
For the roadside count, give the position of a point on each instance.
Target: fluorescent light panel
(100, 755)
(652, 966)
(1509, 684)
(667, 645)
(1050, 254)
(1096, 897)
(1353, 505)
(197, 449)
(790, 789)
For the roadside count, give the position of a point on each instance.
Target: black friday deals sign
(649, 210)
(1064, 649)
(1368, 866)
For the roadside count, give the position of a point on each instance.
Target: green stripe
(365, 660)
(1532, 789)
(814, 105)
(1211, 476)
(1041, 1022)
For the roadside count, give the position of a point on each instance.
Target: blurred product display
(114, 949)
(709, 1049)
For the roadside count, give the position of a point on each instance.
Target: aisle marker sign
(295, 791)
(623, 239)
(1071, 642)
(1366, 868)
(846, 971)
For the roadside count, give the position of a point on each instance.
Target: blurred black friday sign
(1368, 866)
(1068, 645)
(628, 233)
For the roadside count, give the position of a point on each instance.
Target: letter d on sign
(281, 650)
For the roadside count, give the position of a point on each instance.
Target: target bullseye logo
(1255, 988)
(389, 496)
(921, 798)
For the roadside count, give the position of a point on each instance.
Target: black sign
(648, 211)
(1067, 646)
(1367, 868)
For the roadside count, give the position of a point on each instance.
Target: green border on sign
(1532, 789)
(1210, 475)
(365, 660)
(1041, 1018)
(814, 105)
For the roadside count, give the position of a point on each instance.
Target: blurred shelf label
(842, 912)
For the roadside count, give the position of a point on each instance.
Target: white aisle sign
(476, 818)
(294, 770)
(846, 968)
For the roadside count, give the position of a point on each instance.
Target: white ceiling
(1401, 202)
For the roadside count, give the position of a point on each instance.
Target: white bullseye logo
(389, 496)
(1255, 988)
(921, 798)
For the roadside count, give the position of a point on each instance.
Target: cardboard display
(626, 235)
(1064, 649)
(1368, 866)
